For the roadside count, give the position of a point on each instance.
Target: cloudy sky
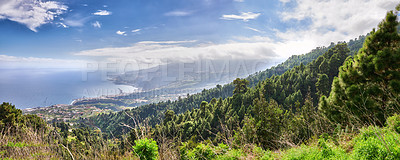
(69, 33)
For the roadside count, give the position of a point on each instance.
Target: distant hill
(153, 113)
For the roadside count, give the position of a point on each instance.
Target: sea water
(28, 88)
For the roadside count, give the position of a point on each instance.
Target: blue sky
(72, 32)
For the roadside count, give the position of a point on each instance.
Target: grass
(377, 143)
(26, 144)
(371, 143)
(315, 152)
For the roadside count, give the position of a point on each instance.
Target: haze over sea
(28, 88)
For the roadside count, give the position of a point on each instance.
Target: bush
(261, 154)
(323, 150)
(146, 149)
(11, 117)
(235, 154)
(394, 123)
(202, 152)
(222, 152)
(377, 143)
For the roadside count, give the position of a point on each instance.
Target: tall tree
(367, 89)
(240, 85)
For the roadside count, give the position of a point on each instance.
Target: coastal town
(91, 106)
(87, 107)
(66, 113)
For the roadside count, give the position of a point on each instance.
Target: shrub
(260, 154)
(11, 117)
(376, 143)
(202, 152)
(234, 154)
(146, 149)
(323, 150)
(394, 123)
(186, 149)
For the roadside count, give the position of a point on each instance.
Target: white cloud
(102, 13)
(167, 42)
(253, 39)
(121, 33)
(239, 0)
(10, 62)
(76, 22)
(96, 24)
(170, 51)
(255, 30)
(136, 30)
(285, 1)
(245, 16)
(178, 13)
(327, 25)
(335, 20)
(32, 13)
(62, 25)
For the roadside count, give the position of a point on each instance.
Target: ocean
(28, 88)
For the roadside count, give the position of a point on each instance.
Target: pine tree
(366, 91)
(322, 85)
(240, 85)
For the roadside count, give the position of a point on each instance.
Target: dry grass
(25, 143)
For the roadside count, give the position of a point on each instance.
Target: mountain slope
(271, 105)
(153, 113)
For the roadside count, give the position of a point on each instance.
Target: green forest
(336, 102)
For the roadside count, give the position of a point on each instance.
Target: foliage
(240, 86)
(393, 123)
(277, 112)
(321, 151)
(223, 152)
(367, 89)
(152, 113)
(371, 143)
(202, 152)
(377, 143)
(234, 154)
(9, 115)
(12, 118)
(146, 149)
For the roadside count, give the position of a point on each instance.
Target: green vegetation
(371, 143)
(336, 105)
(367, 89)
(153, 113)
(394, 123)
(29, 137)
(262, 115)
(376, 143)
(322, 150)
(12, 118)
(146, 149)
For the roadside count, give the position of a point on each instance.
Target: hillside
(281, 98)
(154, 112)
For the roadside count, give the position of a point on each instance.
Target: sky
(75, 33)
